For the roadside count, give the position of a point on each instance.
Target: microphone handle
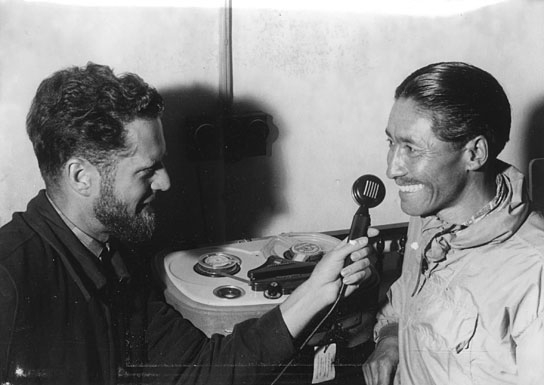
(359, 227)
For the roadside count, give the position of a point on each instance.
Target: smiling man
(469, 305)
(69, 286)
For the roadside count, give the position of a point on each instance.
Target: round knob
(273, 291)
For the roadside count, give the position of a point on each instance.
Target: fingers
(356, 272)
(370, 377)
(363, 253)
(371, 233)
(367, 373)
(332, 265)
(377, 374)
(382, 364)
(344, 248)
(396, 381)
(356, 279)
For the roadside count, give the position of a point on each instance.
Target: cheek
(432, 170)
(454, 182)
(449, 183)
(421, 170)
(132, 192)
(139, 192)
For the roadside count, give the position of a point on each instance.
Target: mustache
(150, 199)
(148, 203)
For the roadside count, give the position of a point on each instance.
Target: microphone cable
(368, 191)
(331, 310)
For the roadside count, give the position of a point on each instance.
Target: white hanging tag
(324, 363)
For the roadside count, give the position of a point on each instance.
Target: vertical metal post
(227, 93)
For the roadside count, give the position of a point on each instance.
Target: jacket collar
(497, 224)
(80, 263)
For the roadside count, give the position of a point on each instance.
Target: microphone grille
(368, 190)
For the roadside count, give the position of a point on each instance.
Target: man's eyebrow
(402, 138)
(153, 163)
(149, 166)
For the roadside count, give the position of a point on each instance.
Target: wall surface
(174, 49)
(325, 78)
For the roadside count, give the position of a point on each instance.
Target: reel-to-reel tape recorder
(218, 286)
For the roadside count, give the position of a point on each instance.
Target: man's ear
(81, 176)
(477, 152)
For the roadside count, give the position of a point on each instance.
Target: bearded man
(67, 281)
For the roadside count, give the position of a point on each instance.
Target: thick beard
(114, 215)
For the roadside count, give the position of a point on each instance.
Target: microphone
(368, 191)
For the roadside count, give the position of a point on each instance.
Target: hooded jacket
(469, 300)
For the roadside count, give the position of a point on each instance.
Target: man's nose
(161, 182)
(395, 164)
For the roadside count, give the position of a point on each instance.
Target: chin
(414, 211)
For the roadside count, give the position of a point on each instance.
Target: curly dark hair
(463, 102)
(82, 111)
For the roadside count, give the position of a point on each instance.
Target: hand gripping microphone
(368, 191)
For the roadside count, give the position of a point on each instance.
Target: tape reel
(216, 263)
(300, 247)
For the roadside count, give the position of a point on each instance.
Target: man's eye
(389, 142)
(410, 149)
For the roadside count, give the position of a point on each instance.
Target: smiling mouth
(146, 205)
(410, 188)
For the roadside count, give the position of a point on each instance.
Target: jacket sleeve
(8, 306)
(401, 289)
(530, 353)
(387, 318)
(250, 355)
(527, 327)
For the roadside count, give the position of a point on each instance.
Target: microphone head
(368, 190)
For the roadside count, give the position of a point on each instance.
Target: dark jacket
(63, 322)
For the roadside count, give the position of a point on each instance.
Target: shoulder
(13, 236)
(21, 249)
(530, 235)
(524, 268)
(520, 257)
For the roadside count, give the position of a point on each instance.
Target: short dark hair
(82, 111)
(463, 101)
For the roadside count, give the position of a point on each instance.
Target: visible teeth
(411, 188)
